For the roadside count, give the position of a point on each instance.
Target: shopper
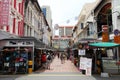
(49, 60)
(43, 60)
(62, 57)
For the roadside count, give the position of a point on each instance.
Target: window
(81, 25)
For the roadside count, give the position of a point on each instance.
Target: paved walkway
(56, 66)
(58, 71)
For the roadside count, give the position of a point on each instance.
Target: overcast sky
(64, 12)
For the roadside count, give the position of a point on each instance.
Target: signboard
(117, 39)
(86, 64)
(109, 64)
(82, 52)
(116, 32)
(88, 67)
(105, 37)
(4, 12)
(83, 63)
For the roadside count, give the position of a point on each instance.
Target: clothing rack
(14, 60)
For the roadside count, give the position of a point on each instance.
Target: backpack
(49, 57)
(43, 58)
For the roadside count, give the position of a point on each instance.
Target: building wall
(47, 13)
(33, 20)
(116, 12)
(15, 19)
(65, 34)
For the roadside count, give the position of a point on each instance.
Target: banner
(4, 12)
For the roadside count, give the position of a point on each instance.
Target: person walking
(43, 60)
(62, 57)
(49, 60)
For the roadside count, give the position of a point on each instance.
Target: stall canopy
(104, 44)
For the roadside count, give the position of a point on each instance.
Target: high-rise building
(47, 13)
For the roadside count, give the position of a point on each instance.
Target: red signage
(4, 12)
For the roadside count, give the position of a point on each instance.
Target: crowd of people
(47, 58)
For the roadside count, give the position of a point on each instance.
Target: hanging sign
(105, 37)
(117, 39)
(82, 52)
(4, 12)
(116, 32)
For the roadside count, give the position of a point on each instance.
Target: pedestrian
(43, 60)
(58, 55)
(49, 60)
(62, 57)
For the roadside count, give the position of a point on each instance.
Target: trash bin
(30, 66)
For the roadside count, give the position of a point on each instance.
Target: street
(58, 71)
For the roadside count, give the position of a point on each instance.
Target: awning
(6, 35)
(104, 44)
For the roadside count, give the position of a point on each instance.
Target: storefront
(106, 57)
(17, 52)
(82, 49)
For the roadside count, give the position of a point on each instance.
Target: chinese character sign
(4, 12)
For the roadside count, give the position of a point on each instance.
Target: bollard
(30, 66)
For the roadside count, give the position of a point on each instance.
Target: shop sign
(88, 67)
(105, 37)
(116, 32)
(83, 62)
(81, 52)
(86, 64)
(109, 64)
(117, 39)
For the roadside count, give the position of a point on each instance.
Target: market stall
(18, 53)
(107, 57)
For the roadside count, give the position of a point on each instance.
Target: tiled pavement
(56, 66)
(58, 71)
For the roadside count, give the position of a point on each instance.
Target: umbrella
(104, 44)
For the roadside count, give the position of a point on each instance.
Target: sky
(64, 12)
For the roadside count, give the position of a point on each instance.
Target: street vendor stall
(107, 57)
(20, 55)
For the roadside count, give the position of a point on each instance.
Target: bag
(49, 57)
(43, 58)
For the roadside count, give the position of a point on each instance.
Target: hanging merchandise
(15, 61)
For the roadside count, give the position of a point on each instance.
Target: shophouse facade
(101, 13)
(63, 39)
(12, 17)
(81, 29)
(36, 24)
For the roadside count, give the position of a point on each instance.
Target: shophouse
(12, 17)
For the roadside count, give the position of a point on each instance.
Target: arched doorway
(104, 17)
